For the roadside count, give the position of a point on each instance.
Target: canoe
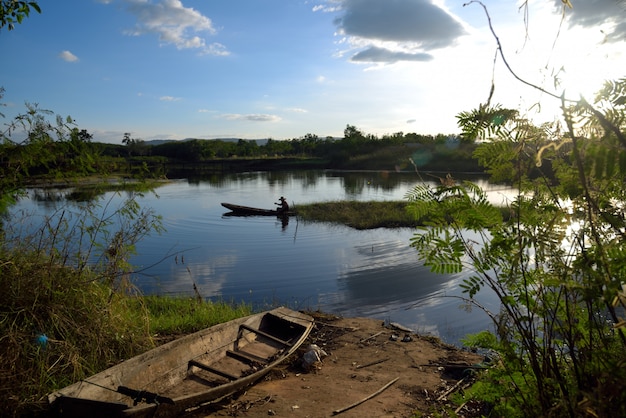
(196, 369)
(247, 210)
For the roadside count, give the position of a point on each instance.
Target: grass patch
(359, 215)
(365, 215)
(174, 315)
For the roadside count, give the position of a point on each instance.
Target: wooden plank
(266, 335)
(212, 370)
(246, 357)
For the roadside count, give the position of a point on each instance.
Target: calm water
(262, 261)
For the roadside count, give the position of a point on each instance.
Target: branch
(378, 392)
(493, 32)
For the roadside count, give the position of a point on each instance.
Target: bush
(557, 263)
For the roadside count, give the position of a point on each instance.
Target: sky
(281, 69)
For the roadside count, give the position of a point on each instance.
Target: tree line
(38, 144)
(353, 142)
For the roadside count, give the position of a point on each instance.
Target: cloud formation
(396, 30)
(376, 54)
(174, 24)
(252, 117)
(607, 15)
(68, 56)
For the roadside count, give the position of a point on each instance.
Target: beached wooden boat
(193, 370)
(247, 210)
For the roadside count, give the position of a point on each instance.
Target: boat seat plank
(265, 334)
(246, 357)
(212, 370)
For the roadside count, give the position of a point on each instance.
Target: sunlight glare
(581, 84)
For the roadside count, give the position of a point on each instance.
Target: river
(305, 265)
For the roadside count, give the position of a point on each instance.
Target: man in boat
(283, 206)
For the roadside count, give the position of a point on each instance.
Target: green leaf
(35, 6)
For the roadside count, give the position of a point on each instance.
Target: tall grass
(69, 307)
(58, 325)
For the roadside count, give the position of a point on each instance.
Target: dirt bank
(405, 372)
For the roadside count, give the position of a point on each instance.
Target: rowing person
(283, 206)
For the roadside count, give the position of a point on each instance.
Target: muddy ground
(371, 369)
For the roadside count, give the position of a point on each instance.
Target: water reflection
(264, 261)
(387, 274)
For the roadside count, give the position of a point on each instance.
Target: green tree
(29, 146)
(13, 11)
(557, 261)
(247, 148)
(134, 145)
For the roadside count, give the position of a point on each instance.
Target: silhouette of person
(283, 206)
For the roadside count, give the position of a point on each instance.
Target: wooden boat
(247, 211)
(193, 370)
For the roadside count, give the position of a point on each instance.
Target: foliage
(557, 264)
(14, 11)
(31, 145)
(40, 147)
(68, 286)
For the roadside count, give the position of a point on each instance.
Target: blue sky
(174, 69)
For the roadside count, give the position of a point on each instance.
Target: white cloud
(325, 8)
(68, 56)
(418, 21)
(297, 110)
(169, 99)
(174, 24)
(606, 15)
(396, 30)
(252, 117)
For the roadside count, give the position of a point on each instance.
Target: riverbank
(371, 369)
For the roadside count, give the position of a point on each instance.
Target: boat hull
(193, 370)
(250, 211)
